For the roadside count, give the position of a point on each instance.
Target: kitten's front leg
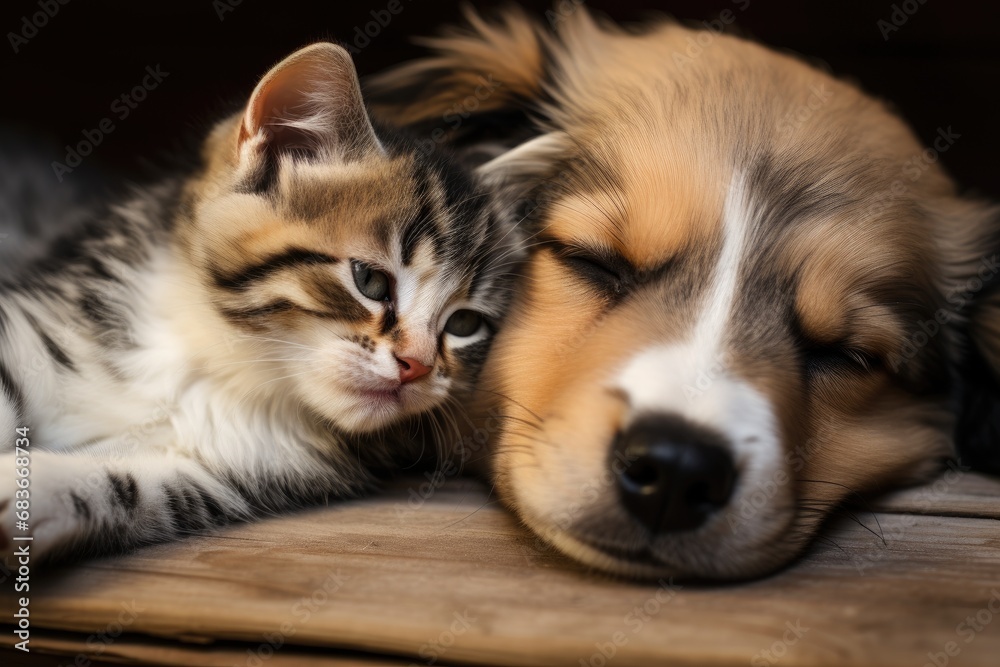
(79, 505)
(39, 505)
(82, 505)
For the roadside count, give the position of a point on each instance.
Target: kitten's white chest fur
(125, 395)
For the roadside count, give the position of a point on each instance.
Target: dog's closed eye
(820, 358)
(607, 274)
(593, 271)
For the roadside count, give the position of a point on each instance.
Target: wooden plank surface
(951, 494)
(456, 580)
(63, 648)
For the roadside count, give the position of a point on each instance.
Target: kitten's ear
(310, 101)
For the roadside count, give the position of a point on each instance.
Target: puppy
(752, 293)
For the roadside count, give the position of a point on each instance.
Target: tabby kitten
(242, 342)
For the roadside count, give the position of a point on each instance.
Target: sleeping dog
(752, 293)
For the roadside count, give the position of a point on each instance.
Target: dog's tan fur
(641, 148)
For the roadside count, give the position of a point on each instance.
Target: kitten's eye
(463, 323)
(372, 283)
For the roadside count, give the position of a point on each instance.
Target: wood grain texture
(951, 494)
(456, 580)
(63, 648)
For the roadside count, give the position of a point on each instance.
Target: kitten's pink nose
(410, 369)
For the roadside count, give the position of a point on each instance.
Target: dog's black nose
(672, 474)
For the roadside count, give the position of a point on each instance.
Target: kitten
(243, 341)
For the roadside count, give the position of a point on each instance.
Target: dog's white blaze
(694, 378)
(718, 304)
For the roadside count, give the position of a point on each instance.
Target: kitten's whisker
(284, 342)
(470, 198)
(511, 400)
(253, 361)
(521, 246)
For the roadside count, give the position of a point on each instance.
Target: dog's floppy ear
(970, 233)
(477, 91)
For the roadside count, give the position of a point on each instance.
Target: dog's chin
(715, 552)
(645, 563)
(639, 564)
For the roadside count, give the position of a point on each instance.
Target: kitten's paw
(42, 515)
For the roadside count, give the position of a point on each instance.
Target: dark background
(939, 69)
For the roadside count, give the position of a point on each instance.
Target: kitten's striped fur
(203, 352)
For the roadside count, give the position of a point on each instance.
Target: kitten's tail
(486, 74)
